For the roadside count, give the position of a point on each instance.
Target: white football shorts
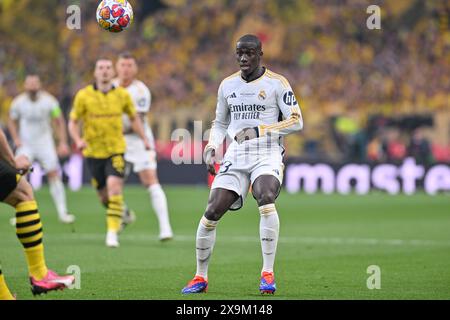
(243, 164)
(136, 154)
(44, 154)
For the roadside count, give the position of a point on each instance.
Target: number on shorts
(225, 166)
(118, 163)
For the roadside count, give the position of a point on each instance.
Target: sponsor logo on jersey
(248, 94)
(247, 107)
(289, 99)
(233, 95)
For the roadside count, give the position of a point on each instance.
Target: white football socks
(59, 196)
(159, 202)
(269, 229)
(206, 237)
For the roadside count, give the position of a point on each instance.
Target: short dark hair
(251, 38)
(32, 74)
(127, 55)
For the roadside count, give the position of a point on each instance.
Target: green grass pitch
(326, 244)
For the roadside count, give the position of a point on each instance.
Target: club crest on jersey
(141, 102)
(262, 95)
(289, 99)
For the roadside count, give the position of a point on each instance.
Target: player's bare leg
(114, 188)
(59, 197)
(265, 190)
(149, 180)
(29, 231)
(219, 202)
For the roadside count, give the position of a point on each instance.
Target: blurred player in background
(31, 117)
(251, 107)
(142, 161)
(18, 193)
(99, 108)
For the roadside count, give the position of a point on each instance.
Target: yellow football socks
(114, 213)
(29, 232)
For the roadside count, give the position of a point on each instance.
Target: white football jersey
(142, 98)
(267, 103)
(34, 117)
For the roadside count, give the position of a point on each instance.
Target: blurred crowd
(346, 76)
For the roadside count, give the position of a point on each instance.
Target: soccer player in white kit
(143, 161)
(30, 125)
(256, 107)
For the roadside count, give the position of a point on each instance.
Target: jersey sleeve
(128, 105)
(14, 111)
(221, 122)
(290, 109)
(144, 100)
(78, 109)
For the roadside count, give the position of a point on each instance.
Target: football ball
(115, 15)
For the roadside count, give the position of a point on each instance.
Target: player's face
(248, 56)
(126, 69)
(104, 71)
(32, 84)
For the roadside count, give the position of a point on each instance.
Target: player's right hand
(81, 144)
(23, 164)
(209, 157)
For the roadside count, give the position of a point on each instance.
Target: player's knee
(149, 178)
(53, 175)
(114, 186)
(213, 213)
(23, 193)
(266, 197)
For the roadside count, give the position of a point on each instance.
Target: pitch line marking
(243, 239)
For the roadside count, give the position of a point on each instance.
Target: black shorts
(101, 169)
(8, 179)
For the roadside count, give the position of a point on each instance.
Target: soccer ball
(115, 15)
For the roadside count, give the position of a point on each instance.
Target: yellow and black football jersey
(101, 115)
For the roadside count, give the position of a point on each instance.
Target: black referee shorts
(101, 169)
(8, 179)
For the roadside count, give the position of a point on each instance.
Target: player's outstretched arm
(218, 131)
(138, 128)
(221, 122)
(292, 114)
(74, 131)
(63, 147)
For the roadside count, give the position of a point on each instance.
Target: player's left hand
(246, 134)
(63, 150)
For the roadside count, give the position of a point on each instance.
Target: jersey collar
(254, 80)
(96, 88)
